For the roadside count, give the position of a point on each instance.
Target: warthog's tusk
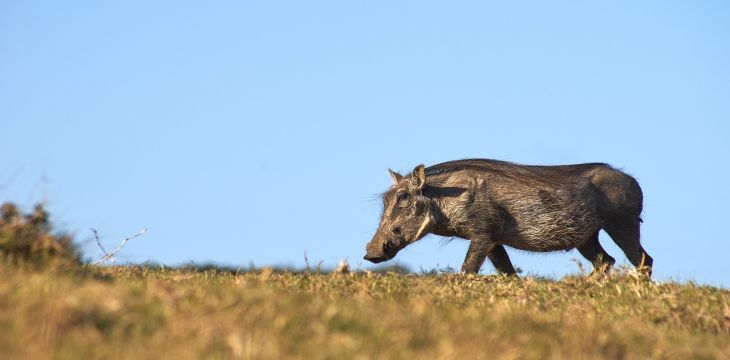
(424, 224)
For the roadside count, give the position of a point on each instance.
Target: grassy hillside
(141, 312)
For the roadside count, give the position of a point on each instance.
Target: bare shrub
(29, 238)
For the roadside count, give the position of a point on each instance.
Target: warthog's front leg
(475, 256)
(499, 258)
(479, 250)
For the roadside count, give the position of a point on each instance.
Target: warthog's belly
(551, 221)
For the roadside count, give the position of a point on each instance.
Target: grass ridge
(149, 312)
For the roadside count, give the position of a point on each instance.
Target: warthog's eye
(403, 199)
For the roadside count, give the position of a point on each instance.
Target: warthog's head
(407, 216)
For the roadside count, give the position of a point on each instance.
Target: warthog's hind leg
(626, 235)
(594, 252)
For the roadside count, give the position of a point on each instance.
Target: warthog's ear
(419, 176)
(396, 177)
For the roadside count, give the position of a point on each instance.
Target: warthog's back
(529, 174)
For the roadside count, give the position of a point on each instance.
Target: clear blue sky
(251, 132)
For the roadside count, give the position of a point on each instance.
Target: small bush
(28, 238)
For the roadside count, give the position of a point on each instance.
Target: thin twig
(110, 256)
(306, 261)
(11, 178)
(98, 242)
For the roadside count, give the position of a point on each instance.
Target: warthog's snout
(379, 250)
(376, 251)
(375, 258)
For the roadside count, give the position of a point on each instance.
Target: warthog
(495, 203)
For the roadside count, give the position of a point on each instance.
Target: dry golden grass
(143, 312)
